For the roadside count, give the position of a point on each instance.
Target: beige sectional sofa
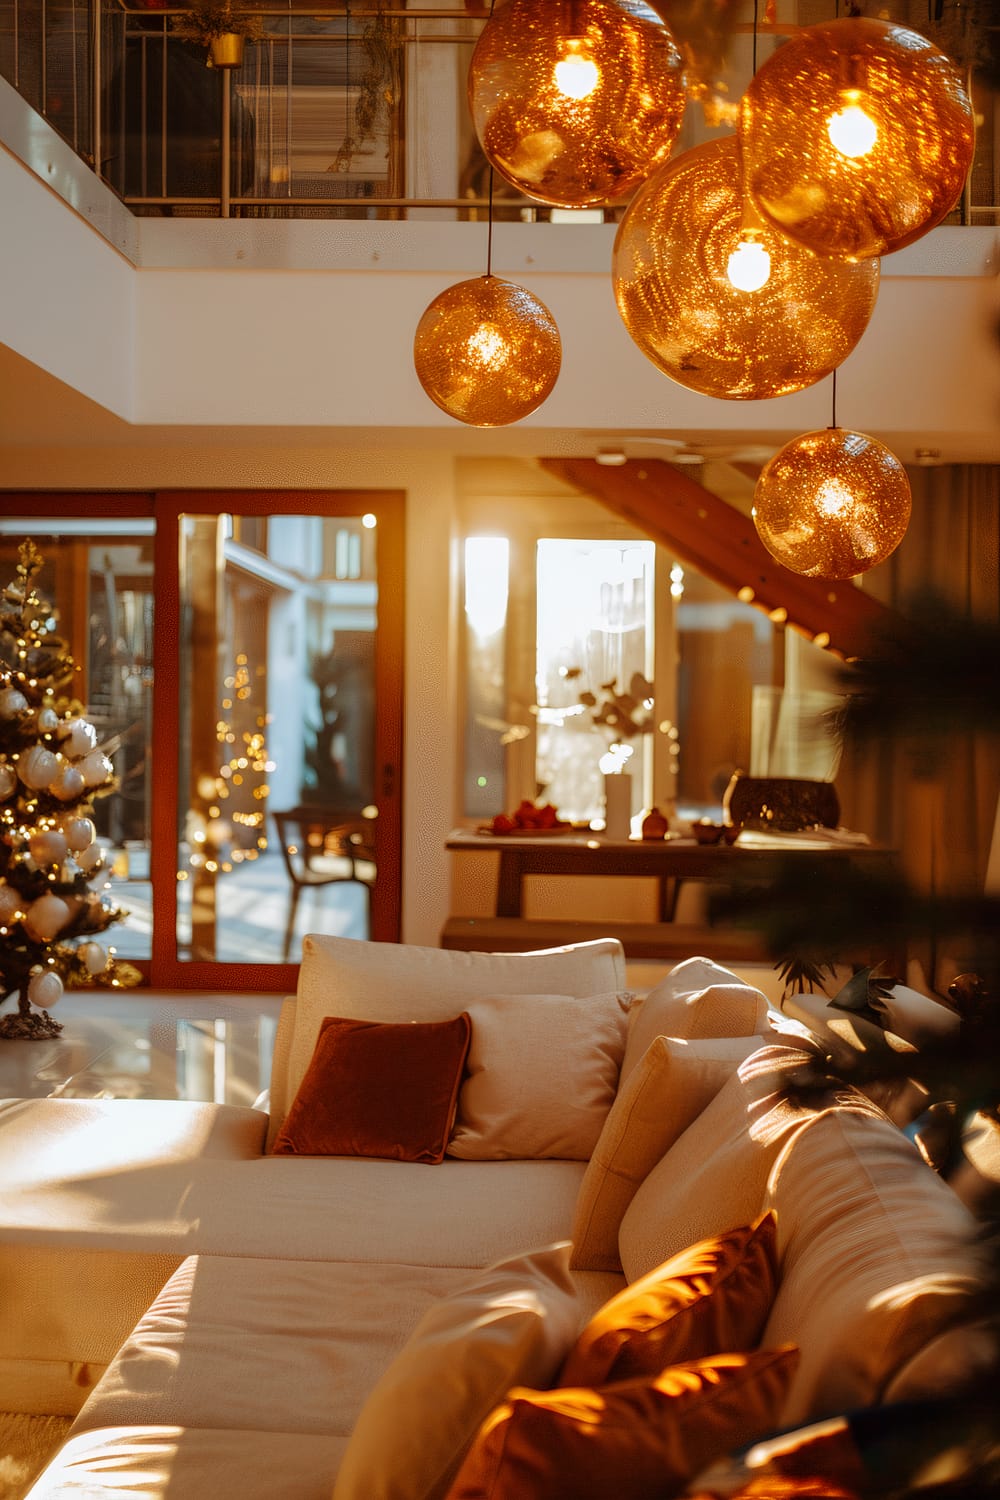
(222, 1321)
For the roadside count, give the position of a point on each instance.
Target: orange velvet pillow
(714, 1296)
(635, 1440)
(386, 1089)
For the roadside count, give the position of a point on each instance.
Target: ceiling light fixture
(720, 301)
(856, 137)
(832, 504)
(575, 102)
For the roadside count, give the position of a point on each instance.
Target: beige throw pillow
(716, 1173)
(512, 1325)
(697, 999)
(541, 1075)
(403, 982)
(674, 1082)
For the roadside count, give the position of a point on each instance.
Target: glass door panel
(277, 753)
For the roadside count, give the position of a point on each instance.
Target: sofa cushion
(510, 1325)
(541, 1075)
(715, 1175)
(79, 1177)
(698, 998)
(672, 1084)
(711, 1298)
(878, 1256)
(164, 1463)
(377, 1088)
(290, 1346)
(404, 982)
(635, 1439)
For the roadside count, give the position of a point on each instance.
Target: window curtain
(941, 821)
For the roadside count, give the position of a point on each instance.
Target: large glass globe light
(575, 102)
(721, 302)
(487, 352)
(856, 137)
(832, 504)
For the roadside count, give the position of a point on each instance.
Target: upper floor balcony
(357, 110)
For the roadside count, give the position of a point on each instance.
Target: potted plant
(222, 27)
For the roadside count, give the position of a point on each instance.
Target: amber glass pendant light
(486, 351)
(832, 504)
(856, 137)
(575, 102)
(719, 300)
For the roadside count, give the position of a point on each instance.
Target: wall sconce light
(856, 137)
(576, 101)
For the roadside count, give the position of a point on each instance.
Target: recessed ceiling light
(612, 458)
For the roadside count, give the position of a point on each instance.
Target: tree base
(35, 1027)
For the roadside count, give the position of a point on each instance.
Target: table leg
(509, 884)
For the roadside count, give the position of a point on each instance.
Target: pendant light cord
(833, 413)
(754, 66)
(489, 194)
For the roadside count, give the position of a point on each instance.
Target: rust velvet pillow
(713, 1296)
(373, 1088)
(635, 1439)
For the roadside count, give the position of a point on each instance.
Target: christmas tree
(51, 770)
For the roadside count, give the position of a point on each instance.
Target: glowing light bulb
(749, 266)
(852, 132)
(488, 345)
(576, 74)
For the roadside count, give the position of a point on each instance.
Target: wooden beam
(721, 542)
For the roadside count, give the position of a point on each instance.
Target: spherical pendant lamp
(856, 137)
(718, 300)
(487, 352)
(832, 504)
(575, 102)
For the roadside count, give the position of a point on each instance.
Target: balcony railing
(348, 111)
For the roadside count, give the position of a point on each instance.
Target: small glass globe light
(487, 352)
(856, 137)
(575, 102)
(832, 504)
(719, 301)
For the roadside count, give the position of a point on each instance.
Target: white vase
(617, 805)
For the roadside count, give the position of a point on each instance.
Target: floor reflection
(149, 1045)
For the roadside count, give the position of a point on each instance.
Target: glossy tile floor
(148, 1044)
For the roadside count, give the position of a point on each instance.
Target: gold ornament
(487, 352)
(721, 302)
(856, 137)
(576, 101)
(832, 504)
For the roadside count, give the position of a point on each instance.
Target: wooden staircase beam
(721, 542)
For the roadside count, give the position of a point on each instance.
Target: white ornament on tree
(91, 859)
(68, 783)
(45, 988)
(37, 767)
(48, 720)
(10, 903)
(48, 847)
(93, 956)
(80, 833)
(95, 768)
(79, 738)
(46, 917)
(12, 702)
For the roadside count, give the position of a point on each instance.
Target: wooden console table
(668, 861)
